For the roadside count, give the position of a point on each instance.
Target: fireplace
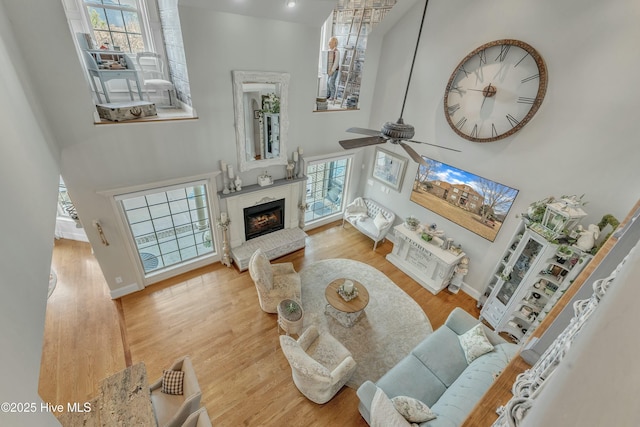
(263, 219)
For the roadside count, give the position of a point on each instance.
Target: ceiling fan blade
(434, 145)
(413, 154)
(363, 131)
(348, 144)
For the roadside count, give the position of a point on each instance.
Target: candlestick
(300, 166)
(223, 166)
(295, 156)
(230, 170)
(300, 151)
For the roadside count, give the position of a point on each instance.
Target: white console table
(426, 263)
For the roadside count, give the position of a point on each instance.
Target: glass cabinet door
(525, 260)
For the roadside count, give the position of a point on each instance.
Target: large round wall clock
(495, 90)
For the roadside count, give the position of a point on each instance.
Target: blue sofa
(436, 372)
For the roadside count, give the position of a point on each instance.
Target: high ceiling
(309, 12)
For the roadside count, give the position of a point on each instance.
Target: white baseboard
(125, 290)
(473, 293)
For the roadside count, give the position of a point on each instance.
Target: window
(109, 34)
(116, 24)
(350, 23)
(65, 205)
(327, 181)
(169, 226)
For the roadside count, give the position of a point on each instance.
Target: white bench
(274, 245)
(370, 218)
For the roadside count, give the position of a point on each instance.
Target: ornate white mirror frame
(261, 134)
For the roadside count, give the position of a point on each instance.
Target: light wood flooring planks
(82, 339)
(213, 315)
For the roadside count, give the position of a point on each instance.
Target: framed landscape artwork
(473, 202)
(388, 168)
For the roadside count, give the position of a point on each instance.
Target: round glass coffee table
(345, 312)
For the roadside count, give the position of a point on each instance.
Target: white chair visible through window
(151, 66)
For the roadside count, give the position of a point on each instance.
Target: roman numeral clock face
(495, 90)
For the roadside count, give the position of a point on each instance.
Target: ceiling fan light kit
(398, 130)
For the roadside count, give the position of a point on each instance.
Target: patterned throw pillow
(412, 409)
(172, 382)
(475, 343)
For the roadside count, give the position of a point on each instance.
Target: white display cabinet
(528, 281)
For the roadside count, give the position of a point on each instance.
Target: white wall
(29, 173)
(582, 140)
(104, 157)
(584, 129)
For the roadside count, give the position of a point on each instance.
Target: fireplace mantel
(288, 189)
(256, 187)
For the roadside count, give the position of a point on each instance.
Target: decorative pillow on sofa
(380, 221)
(383, 413)
(413, 410)
(475, 343)
(172, 382)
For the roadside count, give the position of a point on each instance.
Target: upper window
(116, 24)
(132, 51)
(342, 51)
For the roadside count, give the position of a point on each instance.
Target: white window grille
(117, 24)
(326, 184)
(170, 226)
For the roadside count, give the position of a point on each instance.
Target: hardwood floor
(213, 315)
(82, 341)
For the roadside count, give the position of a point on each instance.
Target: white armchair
(274, 282)
(320, 364)
(172, 410)
(200, 418)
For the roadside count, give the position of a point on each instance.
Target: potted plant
(412, 223)
(563, 253)
(292, 311)
(536, 210)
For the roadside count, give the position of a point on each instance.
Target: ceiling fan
(395, 132)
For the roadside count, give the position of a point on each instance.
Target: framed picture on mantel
(388, 168)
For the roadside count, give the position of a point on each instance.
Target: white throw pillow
(380, 221)
(383, 413)
(413, 410)
(475, 343)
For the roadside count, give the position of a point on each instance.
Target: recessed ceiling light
(291, 3)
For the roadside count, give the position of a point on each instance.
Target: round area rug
(390, 327)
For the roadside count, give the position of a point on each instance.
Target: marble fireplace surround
(275, 244)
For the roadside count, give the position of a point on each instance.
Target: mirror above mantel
(260, 101)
